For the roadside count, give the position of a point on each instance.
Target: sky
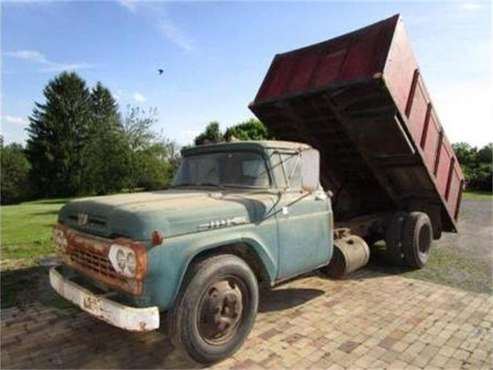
(215, 55)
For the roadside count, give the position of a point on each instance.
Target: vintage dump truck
(362, 158)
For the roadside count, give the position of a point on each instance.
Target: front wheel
(216, 308)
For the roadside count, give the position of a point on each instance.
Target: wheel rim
(424, 240)
(220, 310)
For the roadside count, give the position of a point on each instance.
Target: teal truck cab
(357, 121)
(237, 216)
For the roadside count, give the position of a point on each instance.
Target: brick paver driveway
(372, 320)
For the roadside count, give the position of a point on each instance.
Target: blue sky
(215, 55)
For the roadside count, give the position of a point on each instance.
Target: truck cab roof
(246, 145)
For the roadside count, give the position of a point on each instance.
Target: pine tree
(107, 153)
(58, 131)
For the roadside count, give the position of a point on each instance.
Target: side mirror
(310, 160)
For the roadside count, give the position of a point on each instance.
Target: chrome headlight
(123, 260)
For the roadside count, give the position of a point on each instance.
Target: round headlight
(131, 263)
(121, 259)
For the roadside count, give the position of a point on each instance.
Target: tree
(153, 158)
(476, 165)
(485, 154)
(155, 170)
(107, 153)
(251, 129)
(58, 131)
(211, 135)
(137, 127)
(14, 174)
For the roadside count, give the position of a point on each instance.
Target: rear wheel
(417, 239)
(216, 308)
(394, 237)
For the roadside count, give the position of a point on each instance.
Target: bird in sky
(160, 71)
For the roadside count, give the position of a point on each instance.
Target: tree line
(79, 143)
(476, 165)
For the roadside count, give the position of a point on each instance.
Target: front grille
(94, 262)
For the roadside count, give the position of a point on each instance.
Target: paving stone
(370, 321)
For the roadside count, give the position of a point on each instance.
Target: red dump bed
(360, 99)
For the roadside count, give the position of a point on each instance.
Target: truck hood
(172, 212)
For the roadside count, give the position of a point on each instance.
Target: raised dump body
(360, 100)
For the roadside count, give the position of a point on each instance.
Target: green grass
(477, 195)
(26, 235)
(27, 228)
(447, 266)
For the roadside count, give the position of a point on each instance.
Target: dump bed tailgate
(360, 99)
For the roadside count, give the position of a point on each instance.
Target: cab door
(303, 223)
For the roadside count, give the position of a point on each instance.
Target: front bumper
(114, 313)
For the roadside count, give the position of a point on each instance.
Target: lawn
(477, 195)
(26, 230)
(448, 266)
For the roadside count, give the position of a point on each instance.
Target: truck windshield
(236, 169)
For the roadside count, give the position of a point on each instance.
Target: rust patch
(91, 303)
(88, 254)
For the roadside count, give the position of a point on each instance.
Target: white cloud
(169, 30)
(163, 23)
(47, 65)
(31, 55)
(14, 120)
(139, 98)
(471, 6)
(129, 4)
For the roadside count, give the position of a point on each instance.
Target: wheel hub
(220, 311)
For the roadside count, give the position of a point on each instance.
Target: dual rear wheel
(408, 239)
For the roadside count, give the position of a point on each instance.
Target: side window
(278, 171)
(292, 166)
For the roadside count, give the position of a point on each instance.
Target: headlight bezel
(133, 265)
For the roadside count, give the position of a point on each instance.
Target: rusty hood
(173, 212)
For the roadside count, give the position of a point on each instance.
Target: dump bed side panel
(360, 100)
(407, 87)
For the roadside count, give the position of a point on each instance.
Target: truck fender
(168, 277)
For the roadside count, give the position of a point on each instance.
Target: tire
(215, 309)
(394, 238)
(418, 236)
